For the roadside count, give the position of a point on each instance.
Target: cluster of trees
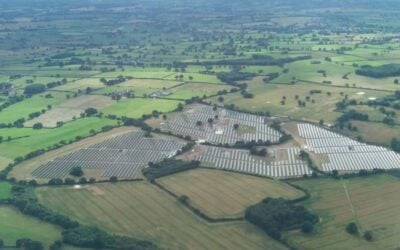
(262, 60)
(382, 71)
(271, 76)
(233, 76)
(34, 89)
(259, 152)
(352, 115)
(85, 236)
(118, 80)
(395, 144)
(275, 215)
(168, 167)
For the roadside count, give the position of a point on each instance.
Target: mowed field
(376, 202)
(15, 225)
(225, 194)
(144, 211)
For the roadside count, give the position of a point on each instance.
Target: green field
(268, 97)
(34, 104)
(225, 194)
(34, 139)
(144, 211)
(375, 201)
(137, 107)
(15, 225)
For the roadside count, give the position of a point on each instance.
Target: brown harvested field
(375, 201)
(71, 108)
(23, 171)
(225, 194)
(143, 211)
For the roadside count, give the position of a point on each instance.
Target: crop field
(221, 129)
(346, 154)
(137, 107)
(15, 225)
(69, 109)
(225, 194)
(121, 156)
(241, 161)
(374, 202)
(141, 210)
(269, 97)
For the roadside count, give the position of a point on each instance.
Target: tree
(235, 126)
(57, 245)
(76, 171)
(368, 235)
(307, 227)
(113, 179)
(38, 125)
(199, 123)
(352, 228)
(90, 111)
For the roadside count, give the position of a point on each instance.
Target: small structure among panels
(120, 156)
(218, 126)
(346, 154)
(242, 161)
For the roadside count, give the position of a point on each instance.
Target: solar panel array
(120, 156)
(222, 130)
(346, 154)
(242, 161)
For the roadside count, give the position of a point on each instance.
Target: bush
(76, 171)
(352, 228)
(368, 235)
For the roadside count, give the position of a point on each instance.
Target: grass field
(268, 97)
(34, 139)
(15, 225)
(189, 90)
(137, 107)
(29, 105)
(144, 211)
(375, 201)
(225, 194)
(373, 132)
